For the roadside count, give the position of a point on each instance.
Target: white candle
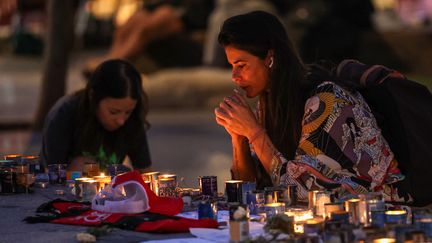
(321, 199)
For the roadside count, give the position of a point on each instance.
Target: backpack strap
(366, 75)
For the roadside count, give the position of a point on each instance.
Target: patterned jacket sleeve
(341, 146)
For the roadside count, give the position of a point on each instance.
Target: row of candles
(85, 188)
(367, 210)
(17, 173)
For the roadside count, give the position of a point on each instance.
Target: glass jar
(91, 169)
(8, 179)
(57, 173)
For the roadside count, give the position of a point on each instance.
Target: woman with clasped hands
(306, 131)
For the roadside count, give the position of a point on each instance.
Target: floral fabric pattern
(341, 148)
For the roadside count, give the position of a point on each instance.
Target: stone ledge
(199, 87)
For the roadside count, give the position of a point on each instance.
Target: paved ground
(14, 208)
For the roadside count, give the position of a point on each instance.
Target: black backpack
(403, 110)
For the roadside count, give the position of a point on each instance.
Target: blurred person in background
(9, 7)
(156, 22)
(415, 13)
(104, 123)
(214, 54)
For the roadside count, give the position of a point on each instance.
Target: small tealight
(41, 184)
(384, 240)
(272, 209)
(59, 192)
(396, 216)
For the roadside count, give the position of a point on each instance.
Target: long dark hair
(114, 79)
(257, 33)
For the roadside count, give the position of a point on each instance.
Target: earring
(271, 62)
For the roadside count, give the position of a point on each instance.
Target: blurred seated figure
(214, 54)
(9, 7)
(155, 24)
(25, 21)
(106, 122)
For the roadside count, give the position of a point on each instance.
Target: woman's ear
(269, 60)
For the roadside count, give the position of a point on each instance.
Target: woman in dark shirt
(105, 122)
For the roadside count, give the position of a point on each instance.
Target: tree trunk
(58, 44)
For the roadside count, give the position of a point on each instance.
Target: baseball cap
(127, 193)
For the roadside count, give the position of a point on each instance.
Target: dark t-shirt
(61, 136)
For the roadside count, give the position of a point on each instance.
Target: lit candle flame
(384, 240)
(395, 212)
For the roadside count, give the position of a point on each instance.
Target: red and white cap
(128, 193)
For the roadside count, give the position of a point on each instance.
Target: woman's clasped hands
(236, 116)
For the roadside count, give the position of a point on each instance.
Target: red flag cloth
(77, 213)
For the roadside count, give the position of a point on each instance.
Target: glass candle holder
(255, 201)
(423, 221)
(57, 173)
(313, 226)
(332, 207)
(233, 190)
(85, 189)
(167, 187)
(340, 216)
(8, 179)
(322, 197)
(33, 163)
(312, 199)
(372, 201)
(272, 209)
(91, 169)
(207, 210)
(16, 158)
(352, 207)
(102, 180)
(396, 216)
(152, 178)
(78, 187)
(301, 215)
(208, 186)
